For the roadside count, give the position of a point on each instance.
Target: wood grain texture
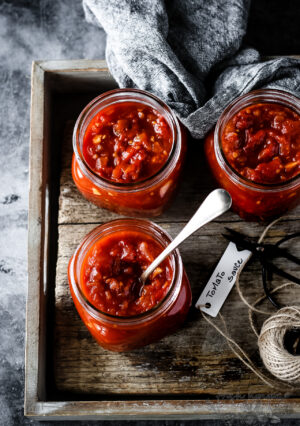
(189, 375)
(193, 361)
(37, 235)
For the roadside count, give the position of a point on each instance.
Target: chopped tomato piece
(261, 142)
(111, 272)
(134, 141)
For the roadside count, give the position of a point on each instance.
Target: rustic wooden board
(195, 360)
(189, 375)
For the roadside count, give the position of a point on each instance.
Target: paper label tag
(222, 280)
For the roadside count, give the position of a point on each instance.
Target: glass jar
(117, 333)
(252, 201)
(144, 198)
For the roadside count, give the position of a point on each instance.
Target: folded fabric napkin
(189, 53)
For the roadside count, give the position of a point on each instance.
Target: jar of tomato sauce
(129, 150)
(254, 153)
(104, 272)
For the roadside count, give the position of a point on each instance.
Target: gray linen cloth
(189, 53)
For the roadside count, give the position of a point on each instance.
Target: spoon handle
(216, 203)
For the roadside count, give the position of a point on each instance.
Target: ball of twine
(281, 363)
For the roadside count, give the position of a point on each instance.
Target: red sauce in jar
(254, 153)
(105, 271)
(111, 271)
(134, 166)
(262, 143)
(127, 142)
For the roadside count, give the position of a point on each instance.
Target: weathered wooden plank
(164, 409)
(195, 360)
(37, 239)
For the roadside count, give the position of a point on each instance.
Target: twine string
(277, 360)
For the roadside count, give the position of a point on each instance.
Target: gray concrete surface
(55, 29)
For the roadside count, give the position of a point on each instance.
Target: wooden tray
(189, 375)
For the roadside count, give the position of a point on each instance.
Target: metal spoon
(215, 204)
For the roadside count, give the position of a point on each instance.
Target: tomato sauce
(254, 153)
(262, 143)
(111, 272)
(104, 274)
(127, 142)
(129, 150)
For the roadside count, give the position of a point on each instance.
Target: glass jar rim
(111, 227)
(137, 96)
(241, 102)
